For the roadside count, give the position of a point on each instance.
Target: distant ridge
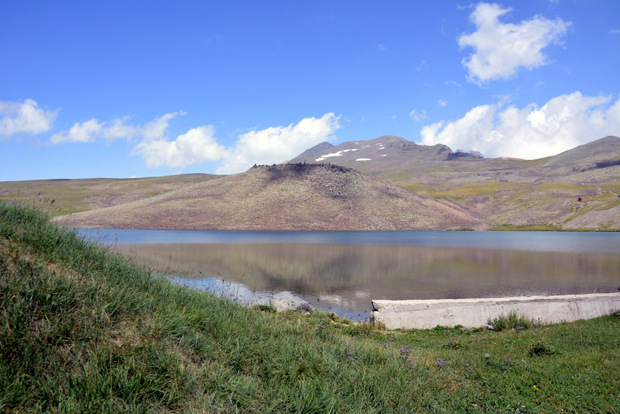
(601, 148)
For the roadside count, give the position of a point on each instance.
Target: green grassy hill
(84, 331)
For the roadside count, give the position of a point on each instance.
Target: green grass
(84, 331)
(511, 321)
(478, 188)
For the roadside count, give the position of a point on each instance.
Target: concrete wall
(425, 314)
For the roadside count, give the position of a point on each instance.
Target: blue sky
(150, 88)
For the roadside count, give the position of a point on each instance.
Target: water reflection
(347, 277)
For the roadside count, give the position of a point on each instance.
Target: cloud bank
(93, 129)
(564, 122)
(200, 145)
(24, 117)
(500, 49)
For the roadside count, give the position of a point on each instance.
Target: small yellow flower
(535, 387)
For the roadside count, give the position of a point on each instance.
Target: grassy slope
(83, 331)
(61, 197)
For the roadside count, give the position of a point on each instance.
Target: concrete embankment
(425, 314)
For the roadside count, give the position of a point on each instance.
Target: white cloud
(199, 145)
(441, 102)
(117, 129)
(18, 117)
(94, 129)
(80, 132)
(418, 116)
(277, 144)
(157, 127)
(196, 146)
(500, 49)
(564, 122)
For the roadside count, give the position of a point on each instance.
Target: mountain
(396, 159)
(284, 197)
(575, 189)
(381, 154)
(384, 183)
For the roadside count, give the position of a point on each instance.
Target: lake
(344, 271)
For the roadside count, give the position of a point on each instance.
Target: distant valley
(387, 183)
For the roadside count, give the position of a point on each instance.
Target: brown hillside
(284, 197)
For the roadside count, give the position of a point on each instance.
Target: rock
(283, 301)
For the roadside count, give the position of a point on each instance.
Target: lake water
(344, 271)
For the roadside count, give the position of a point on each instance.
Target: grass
(61, 197)
(491, 188)
(545, 227)
(84, 331)
(511, 321)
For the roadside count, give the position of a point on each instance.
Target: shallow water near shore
(344, 271)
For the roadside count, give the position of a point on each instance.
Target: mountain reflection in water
(347, 277)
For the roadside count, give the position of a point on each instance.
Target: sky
(123, 89)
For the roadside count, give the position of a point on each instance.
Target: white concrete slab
(426, 314)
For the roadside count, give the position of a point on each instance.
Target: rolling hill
(284, 197)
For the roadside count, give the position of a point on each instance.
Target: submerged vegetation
(85, 331)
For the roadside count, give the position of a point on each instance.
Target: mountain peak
(317, 149)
